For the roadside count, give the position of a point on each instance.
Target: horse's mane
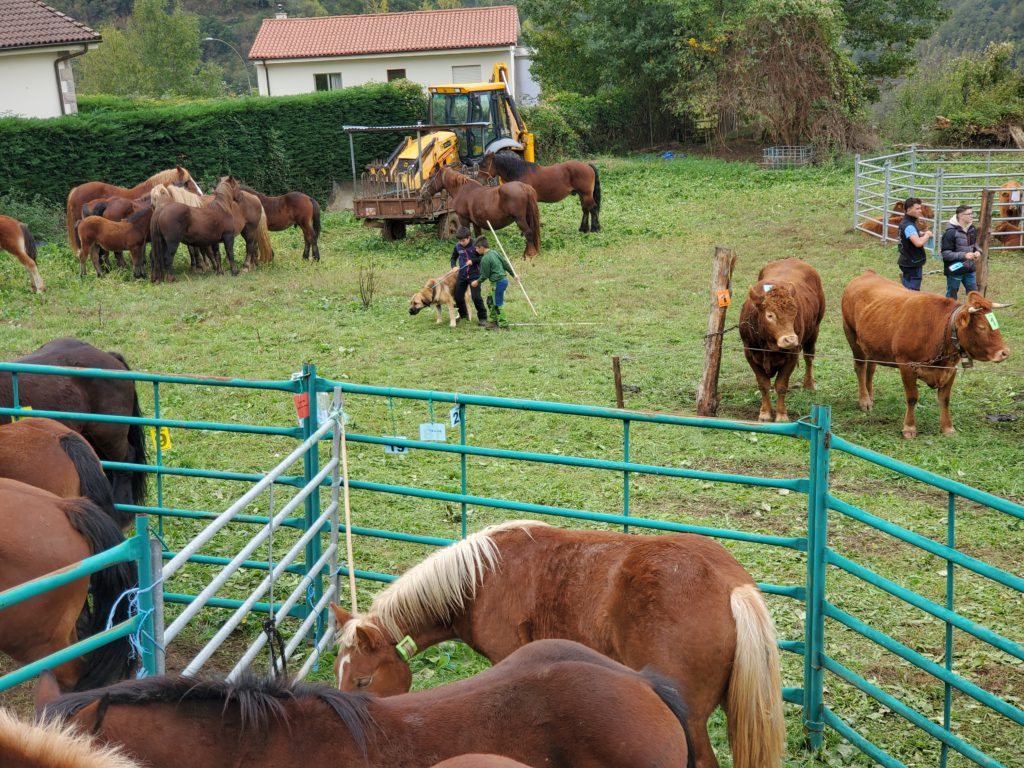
(257, 698)
(56, 745)
(436, 588)
(458, 179)
(182, 195)
(223, 196)
(511, 165)
(142, 211)
(168, 176)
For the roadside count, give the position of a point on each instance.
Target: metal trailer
(942, 178)
(394, 204)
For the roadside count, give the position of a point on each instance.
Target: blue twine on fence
(310, 595)
(135, 638)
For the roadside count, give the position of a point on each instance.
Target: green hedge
(274, 144)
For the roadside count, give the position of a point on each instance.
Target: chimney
(281, 13)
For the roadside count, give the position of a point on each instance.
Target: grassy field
(638, 290)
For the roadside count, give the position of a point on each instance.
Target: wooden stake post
(617, 372)
(721, 283)
(984, 228)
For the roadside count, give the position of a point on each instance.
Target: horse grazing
(35, 628)
(479, 205)
(1011, 200)
(95, 232)
(679, 603)
(53, 745)
(80, 394)
(91, 190)
(217, 223)
(553, 703)
(293, 209)
(552, 182)
(16, 239)
(48, 455)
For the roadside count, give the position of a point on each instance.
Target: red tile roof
(31, 24)
(386, 33)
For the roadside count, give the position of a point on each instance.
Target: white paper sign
(767, 287)
(433, 432)
(454, 418)
(396, 448)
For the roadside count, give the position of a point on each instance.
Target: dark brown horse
(217, 223)
(53, 745)
(91, 190)
(553, 703)
(679, 603)
(96, 232)
(552, 182)
(79, 394)
(41, 533)
(48, 455)
(293, 209)
(477, 205)
(15, 238)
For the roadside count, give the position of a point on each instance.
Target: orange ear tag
(723, 298)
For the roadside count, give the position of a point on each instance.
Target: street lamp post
(229, 45)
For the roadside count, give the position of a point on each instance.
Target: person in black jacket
(911, 246)
(960, 252)
(465, 257)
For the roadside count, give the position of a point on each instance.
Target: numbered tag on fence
(302, 405)
(24, 408)
(454, 417)
(992, 322)
(399, 449)
(433, 432)
(165, 438)
(724, 299)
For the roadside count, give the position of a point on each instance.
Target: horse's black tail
(30, 242)
(673, 699)
(112, 662)
(137, 441)
(316, 215)
(92, 482)
(597, 188)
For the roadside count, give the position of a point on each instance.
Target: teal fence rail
(826, 573)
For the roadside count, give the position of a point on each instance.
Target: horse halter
(406, 648)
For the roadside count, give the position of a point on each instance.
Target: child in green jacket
(492, 268)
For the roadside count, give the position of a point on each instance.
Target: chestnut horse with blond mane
(91, 190)
(54, 744)
(499, 206)
(677, 603)
(16, 239)
(552, 182)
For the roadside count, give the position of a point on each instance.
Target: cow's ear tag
(992, 322)
(768, 287)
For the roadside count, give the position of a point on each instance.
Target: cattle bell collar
(965, 359)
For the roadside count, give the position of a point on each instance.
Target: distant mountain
(973, 24)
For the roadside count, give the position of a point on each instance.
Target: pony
(95, 232)
(35, 628)
(17, 240)
(293, 209)
(174, 223)
(553, 703)
(79, 394)
(679, 603)
(48, 455)
(477, 205)
(1011, 200)
(113, 209)
(552, 182)
(53, 745)
(91, 190)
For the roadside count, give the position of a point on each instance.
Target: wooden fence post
(984, 228)
(617, 372)
(721, 285)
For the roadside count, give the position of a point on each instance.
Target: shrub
(555, 140)
(44, 218)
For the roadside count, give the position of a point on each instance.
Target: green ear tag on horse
(992, 322)
(406, 648)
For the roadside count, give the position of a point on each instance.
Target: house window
(329, 81)
(468, 74)
(396, 74)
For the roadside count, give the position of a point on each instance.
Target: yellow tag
(18, 418)
(165, 438)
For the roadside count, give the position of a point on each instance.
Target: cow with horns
(923, 334)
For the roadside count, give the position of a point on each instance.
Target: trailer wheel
(447, 224)
(393, 230)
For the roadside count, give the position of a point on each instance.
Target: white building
(324, 53)
(36, 46)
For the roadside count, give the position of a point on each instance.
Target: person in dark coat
(465, 257)
(911, 245)
(960, 252)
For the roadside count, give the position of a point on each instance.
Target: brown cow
(923, 334)
(1011, 200)
(1009, 233)
(781, 314)
(874, 226)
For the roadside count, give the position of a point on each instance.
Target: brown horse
(480, 761)
(679, 603)
(91, 190)
(95, 232)
(210, 225)
(41, 533)
(1011, 200)
(553, 703)
(80, 394)
(113, 209)
(53, 745)
(552, 182)
(293, 209)
(477, 205)
(48, 455)
(15, 238)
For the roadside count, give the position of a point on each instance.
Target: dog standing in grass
(437, 293)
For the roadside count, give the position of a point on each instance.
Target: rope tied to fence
(338, 415)
(277, 652)
(135, 638)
